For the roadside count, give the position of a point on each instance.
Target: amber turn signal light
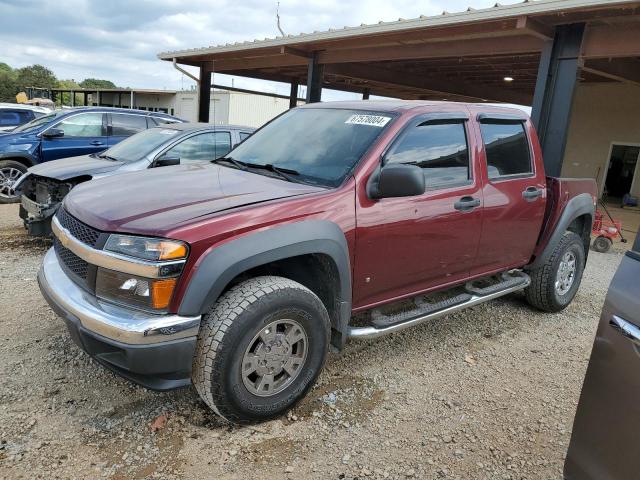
(161, 293)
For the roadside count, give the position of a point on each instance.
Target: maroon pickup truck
(238, 276)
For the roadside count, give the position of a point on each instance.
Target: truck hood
(71, 167)
(156, 201)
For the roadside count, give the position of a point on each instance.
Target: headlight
(144, 293)
(146, 248)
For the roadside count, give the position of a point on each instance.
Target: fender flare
(222, 264)
(579, 205)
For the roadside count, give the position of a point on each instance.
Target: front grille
(70, 260)
(79, 230)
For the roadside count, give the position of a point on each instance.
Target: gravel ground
(488, 393)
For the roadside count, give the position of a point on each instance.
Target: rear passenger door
(604, 442)
(514, 194)
(123, 125)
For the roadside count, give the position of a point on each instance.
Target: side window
(202, 147)
(507, 149)
(126, 125)
(222, 142)
(82, 125)
(440, 149)
(244, 136)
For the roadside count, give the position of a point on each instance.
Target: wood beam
(535, 28)
(611, 41)
(621, 69)
(296, 52)
(443, 86)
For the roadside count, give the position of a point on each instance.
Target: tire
(10, 171)
(232, 333)
(549, 291)
(602, 244)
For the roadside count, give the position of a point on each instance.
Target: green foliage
(8, 85)
(65, 98)
(36, 76)
(97, 83)
(5, 68)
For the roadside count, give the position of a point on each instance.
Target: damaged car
(45, 185)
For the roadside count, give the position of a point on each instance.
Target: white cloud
(119, 40)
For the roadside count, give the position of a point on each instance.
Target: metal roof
(471, 15)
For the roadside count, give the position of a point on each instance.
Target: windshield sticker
(371, 120)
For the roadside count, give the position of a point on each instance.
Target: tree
(36, 76)
(97, 83)
(8, 84)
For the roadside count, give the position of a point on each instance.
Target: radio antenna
(278, 19)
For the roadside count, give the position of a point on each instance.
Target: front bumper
(153, 350)
(37, 217)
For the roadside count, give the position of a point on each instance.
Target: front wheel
(10, 173)
(554, 284)
(260, 349)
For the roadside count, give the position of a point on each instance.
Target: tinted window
(82, 125)
(244, 135)
(202, 147)
(439, 148)
(321, 144)
(126, 125)
(12, 118)
(138, 146)
(507, 149)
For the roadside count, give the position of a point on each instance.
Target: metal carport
(547, 47)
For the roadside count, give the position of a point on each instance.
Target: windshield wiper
(107, 157)
(284, 173)
(236, 163)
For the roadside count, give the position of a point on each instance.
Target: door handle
(97, 143)
(531, 194)
(626, 329)
(466, 203)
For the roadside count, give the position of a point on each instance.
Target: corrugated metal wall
(254, 110)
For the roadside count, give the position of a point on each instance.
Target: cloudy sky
(119, 39)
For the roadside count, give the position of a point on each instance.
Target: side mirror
(166, 161)
(53, 133)
(398, 180)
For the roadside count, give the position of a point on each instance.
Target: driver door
(408, 245)
(84, 133)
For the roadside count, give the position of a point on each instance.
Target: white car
(13, 115)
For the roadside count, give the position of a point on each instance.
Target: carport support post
(365, 94)
(553, 97)
(204, 95)
(293, 96)
(315, 77)
(84, 94)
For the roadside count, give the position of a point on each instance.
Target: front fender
(222, 264)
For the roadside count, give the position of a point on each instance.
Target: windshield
(139, 145)
(38, 122)
(320, 145)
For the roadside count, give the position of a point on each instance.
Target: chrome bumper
(110, 321)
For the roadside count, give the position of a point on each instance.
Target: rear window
(126, 125)
(13, 118)
(507, 149)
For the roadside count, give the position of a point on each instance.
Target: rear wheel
(260, 349)
(10, 172)
(602, 244)
(554, 284)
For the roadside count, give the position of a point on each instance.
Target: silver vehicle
(12, 115)
(44, 186)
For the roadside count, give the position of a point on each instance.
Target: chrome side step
(369, 332)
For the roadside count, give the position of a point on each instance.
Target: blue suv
(67, 133)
